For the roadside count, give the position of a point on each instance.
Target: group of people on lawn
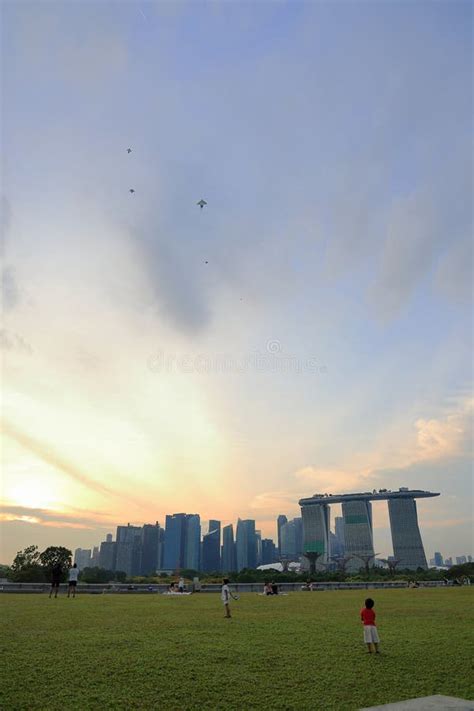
(72, 578)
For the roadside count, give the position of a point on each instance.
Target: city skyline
(309, 329)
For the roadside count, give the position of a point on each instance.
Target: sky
(308, 330)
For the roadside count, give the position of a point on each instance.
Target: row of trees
(31, 565)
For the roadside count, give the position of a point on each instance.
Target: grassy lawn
(302, 651)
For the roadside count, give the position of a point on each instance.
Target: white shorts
(370, 634)
(225, 602)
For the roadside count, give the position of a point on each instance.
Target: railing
(143, 588)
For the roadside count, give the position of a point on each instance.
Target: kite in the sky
(201, 203)
(129, 150)
(131, 190)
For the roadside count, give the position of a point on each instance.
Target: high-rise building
(288, 540)
(246, 544)
(258, 543)
(211, 548)
(335, 548)
(107, 553)
(175, 532)
(95, 557)
(461, 559)
(316, 521)
(128, 549)
(151, 545)
(438, 559)
(269, 552)
(229, 563)
(406, 537)
(281, 520)
(339, 532)
(357, 528)
(291, 539)
(182, 542)
(448, 562)
(82, 558)
(192, 548)
(358, 532)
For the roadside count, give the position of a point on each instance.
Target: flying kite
(201, 203)
(131, 190)
(129, 150)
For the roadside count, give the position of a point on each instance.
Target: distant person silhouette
(72, 580)
(56, 574)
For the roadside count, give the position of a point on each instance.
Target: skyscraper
(82, 558)
(281, 520)
(288, 540)
(339, 532)
(438, 559)
(246, 544)
(406, 537)
(95, 557)
(175, 531)
(258, 544)
(269, 552)
(151, 549)
(316, 520)
(107, 553)
(182, 541)
(229, 563)
(128, 549)
(211, 548)
(358, 532)
(192, 546)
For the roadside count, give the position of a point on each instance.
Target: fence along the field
(143, 588)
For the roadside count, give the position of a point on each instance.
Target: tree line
(32, 566)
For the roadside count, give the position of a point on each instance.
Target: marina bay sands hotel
(358, 529)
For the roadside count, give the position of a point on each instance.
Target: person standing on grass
(225, 597)
(56, 575)
(371, 637)
(181, 585)
(72, 580)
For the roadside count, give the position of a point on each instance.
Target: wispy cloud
(48, 454)
(58, 519)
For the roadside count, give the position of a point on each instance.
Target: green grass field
(302, 651)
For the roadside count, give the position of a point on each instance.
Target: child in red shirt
(371, 637)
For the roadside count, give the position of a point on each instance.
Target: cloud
(413, 237)
(443, 438)
(5, 221)
(48, 517)
(48, 454)
(454, 277)
(13, 342)
(9, 288)
(435, 440)
(272, 501)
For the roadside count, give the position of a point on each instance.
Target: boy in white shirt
(72, 580)
(225, 597)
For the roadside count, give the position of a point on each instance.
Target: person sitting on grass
(267, 589)
(72, 580)
(56, 574)
(274, 587)
(371, 637)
